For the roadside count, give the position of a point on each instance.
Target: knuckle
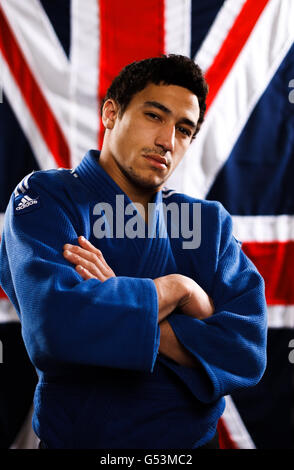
(93, 258)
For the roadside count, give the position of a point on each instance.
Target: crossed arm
(173, 290)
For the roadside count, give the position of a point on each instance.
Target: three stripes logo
(25, 202)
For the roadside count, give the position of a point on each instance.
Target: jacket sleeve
(66, 320)
(230, 346)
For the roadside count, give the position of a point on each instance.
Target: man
(136, 331)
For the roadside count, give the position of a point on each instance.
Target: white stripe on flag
(7, 312)
(218, 32)
(26, 437)
(84, 56)
(263, 228)
(280, 316)
(264, 51)
(1, 222)
(41, 152)
(177, 27)
(44, 55)
(235, 426)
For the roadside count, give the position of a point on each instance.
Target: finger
(86, 264)
(89, 260)
(78, 249)
(88, 246)
(91, 256)
(84, 273)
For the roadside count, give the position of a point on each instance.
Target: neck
(139, 196)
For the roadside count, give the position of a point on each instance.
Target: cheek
(128, 137)
(121, 142)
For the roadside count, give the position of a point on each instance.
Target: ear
(109, 113)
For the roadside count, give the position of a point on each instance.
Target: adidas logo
(26, 201)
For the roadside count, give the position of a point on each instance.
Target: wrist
(171, 291)
(184, 286)
(179, 287)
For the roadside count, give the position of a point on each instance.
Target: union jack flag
(57, 59)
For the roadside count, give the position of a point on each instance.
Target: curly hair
(169, 69)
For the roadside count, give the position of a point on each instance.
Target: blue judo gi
(102, 382)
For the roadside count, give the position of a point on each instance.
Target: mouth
(156, 160)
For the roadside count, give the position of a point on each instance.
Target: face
(145, 144)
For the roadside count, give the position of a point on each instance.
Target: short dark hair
(169, 69)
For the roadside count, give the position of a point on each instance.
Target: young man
(137, 332)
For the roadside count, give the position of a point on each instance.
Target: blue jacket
(102, 383)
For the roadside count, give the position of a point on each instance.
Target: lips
(156, 160)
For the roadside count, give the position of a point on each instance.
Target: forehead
(180, 101)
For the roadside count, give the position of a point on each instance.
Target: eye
(152, 115)
(186, 132)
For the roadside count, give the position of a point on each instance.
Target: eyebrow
(163, 108)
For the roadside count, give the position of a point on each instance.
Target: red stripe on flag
(274, 261)
(232, 46)
(225, 440)
(2, 294)
(32, 94)
(129, 31)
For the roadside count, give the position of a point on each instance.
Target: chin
(151, 185)
(150, 182)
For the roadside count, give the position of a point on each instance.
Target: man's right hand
(176, 290)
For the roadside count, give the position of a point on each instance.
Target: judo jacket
(102, 382)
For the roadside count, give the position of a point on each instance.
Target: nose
(166, 138)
